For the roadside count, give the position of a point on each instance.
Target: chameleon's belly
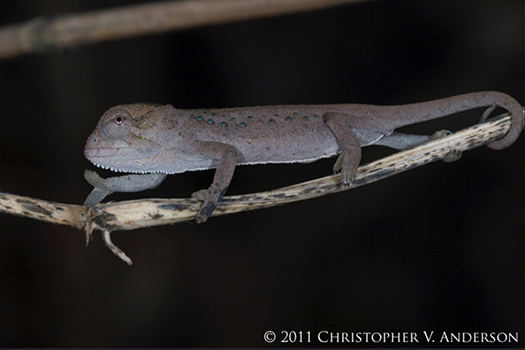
(301, 147)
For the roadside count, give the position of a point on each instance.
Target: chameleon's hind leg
(350, 148)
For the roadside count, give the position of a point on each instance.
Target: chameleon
(151, 141)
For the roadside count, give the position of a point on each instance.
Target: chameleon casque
(156, 140)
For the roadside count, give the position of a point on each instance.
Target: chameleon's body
(147, 138)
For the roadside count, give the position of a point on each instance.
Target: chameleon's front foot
(100, 190)
(454, 154)
(210, 198)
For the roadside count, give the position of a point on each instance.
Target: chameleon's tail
(455, 104)
(517, 114)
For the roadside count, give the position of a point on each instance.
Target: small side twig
(129, 215)
(70, 30)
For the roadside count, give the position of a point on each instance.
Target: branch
(47, 211)
(129, 215)
(64, 31)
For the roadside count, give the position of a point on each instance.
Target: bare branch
(156, 17)
(129, 215)
(38, 209)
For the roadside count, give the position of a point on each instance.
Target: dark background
(439, 248)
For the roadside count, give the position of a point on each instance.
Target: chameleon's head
(122, 140)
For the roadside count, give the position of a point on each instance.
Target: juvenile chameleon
(156, 140)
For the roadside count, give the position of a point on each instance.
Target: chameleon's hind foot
(347, 165)
(338, 164)
(441, 133)
(453, 155)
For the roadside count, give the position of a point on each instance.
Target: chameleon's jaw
(103, 159)
(132, 155)
(103, 166)
(94, 156)
(122, 157)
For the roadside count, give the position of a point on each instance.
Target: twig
(129, 215)
(69, 30)
(39, 209)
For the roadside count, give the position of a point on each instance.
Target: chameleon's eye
(118, 119)
(115, 124)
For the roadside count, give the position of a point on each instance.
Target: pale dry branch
(155, 17)
(129, 215)
(39, 209)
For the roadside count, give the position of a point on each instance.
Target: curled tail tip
(516, 127)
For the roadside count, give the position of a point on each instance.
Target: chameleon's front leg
(227, 157)
(127, 183)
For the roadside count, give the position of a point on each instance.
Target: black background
(439, 248)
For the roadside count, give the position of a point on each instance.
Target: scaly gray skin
(148, 138)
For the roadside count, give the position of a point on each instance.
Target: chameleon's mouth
(99, 156)
(107, 167)
(125, 165)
